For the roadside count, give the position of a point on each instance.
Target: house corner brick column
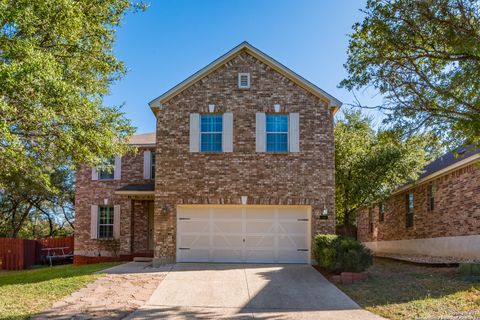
(165, 232)
(126, 214)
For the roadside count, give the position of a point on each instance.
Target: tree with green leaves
(424, 57)
(370, 164)
(28, 210)
(56, 65)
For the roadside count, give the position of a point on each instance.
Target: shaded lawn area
(24, 293)
(399, 290)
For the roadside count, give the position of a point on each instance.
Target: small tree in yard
(370, 164)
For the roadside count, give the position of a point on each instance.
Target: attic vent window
(244, 80)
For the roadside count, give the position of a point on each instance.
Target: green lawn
(398, 290)
(24, 293)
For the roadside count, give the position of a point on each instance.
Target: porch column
(126, 214)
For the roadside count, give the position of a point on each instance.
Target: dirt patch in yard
(112, 296)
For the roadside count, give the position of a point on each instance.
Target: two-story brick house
(438, 215)
(240, 169)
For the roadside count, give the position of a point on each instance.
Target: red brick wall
(456, 212)
(306, 177)
(93, 192)
(140, 226)
(300, 178)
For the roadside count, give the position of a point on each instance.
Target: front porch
(137, 221)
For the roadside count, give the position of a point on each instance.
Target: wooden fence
(19, 254)
(60, 242)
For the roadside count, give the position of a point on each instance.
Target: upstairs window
(381, 211)
(211, 128)
(105, 223)
(277, 132)
(431, 197)
(107, 173)
(409, 209)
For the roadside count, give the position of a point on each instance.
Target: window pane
(105, 222)
(106, 215)
(410, 201)
(105, 174)
(277, 122)
(211, 123)
(277, 142)
(105, 231)
(211, 142)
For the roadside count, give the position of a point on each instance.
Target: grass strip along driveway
(399, 290)
(24, 293)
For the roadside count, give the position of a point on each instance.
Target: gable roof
(334, 103)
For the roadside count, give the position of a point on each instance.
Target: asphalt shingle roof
(448, 159)
(138, 187)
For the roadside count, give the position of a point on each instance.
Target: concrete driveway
(240, 291)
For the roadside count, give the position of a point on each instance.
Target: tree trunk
(20, 223)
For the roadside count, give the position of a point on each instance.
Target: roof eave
(134, 193)
(462, 163)
(142, 145)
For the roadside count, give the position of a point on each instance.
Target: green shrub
(338, 254)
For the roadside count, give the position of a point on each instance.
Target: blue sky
(173, 39)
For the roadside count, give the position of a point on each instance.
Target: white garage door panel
(243, 234)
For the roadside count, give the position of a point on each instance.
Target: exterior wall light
(164, 210)
(324, 214)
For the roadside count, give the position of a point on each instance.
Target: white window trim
(243, 74)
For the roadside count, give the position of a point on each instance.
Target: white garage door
(258, 234)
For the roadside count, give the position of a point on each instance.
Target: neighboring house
(438, 215)
(241, 169)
